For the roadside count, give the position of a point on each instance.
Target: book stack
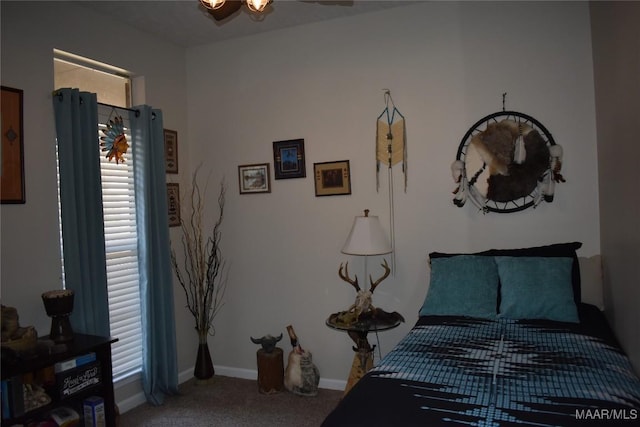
(24, 393)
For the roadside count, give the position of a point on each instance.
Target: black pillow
(567, 250)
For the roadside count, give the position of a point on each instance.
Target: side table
(358, 331)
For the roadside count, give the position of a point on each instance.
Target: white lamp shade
(366, 237)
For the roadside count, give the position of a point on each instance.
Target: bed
(502, 339)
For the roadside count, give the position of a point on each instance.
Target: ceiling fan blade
(228, 8)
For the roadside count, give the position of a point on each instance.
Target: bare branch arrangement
(203, 274)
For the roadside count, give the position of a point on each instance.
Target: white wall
(30, 240)
(447, 65)
(615, 36)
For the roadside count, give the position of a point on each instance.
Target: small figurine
(268, 342)
(301, 376)
(14, 336)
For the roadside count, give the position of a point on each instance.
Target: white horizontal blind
(121, 245)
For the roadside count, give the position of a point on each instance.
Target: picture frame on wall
(254, 178)
(12, 176)
(171, 150)
(173, 202)
(288, 159)
(332, 178)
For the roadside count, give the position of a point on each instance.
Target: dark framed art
(332, 178)
(288, 159)
(254, 178)
(12, 176)
(173, 202)
(171, 150)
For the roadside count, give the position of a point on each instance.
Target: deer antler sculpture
(363, 303)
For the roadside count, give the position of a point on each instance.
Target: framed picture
(288, 159)
(12, 176)
(173, 201)
(254, 178)
(171, 150)
(332, 178)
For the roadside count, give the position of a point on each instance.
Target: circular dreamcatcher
(506, 162)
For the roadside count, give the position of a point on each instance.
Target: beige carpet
(233, 402)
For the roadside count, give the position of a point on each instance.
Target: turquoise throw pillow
(462, 285)
(536, 288)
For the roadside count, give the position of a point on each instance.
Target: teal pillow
(462, 285)
(536, 288)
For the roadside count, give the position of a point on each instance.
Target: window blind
(121, 245)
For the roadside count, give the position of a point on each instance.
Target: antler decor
(363, 303)
(366, 238)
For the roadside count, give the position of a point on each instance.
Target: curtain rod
(136, 111)
(121, 108)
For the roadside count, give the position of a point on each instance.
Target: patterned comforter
(475, 372)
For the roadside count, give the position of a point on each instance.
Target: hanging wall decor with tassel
(391, 149)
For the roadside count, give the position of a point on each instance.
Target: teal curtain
(160, 368)
(85, 271)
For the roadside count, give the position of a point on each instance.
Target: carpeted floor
(231, 402)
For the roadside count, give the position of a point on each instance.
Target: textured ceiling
(186, 23)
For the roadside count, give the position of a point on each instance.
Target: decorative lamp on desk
(366, 238)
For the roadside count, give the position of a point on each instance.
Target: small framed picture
(12, 154)
(171, 150)
(288, 159)
(254, 178)
(332, 178)
(173, 202)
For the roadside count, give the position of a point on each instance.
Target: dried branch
(203, 274)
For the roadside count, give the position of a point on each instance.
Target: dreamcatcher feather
(391, 149)
(114, 142)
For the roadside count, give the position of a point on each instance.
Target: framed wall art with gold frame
(12, 176)
(332, 178)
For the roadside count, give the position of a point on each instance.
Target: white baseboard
(252, 374)
(128, 404)
(138, 399)
(330, 384)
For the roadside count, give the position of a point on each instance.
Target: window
(118, 197)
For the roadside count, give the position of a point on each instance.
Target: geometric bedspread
(451, 370)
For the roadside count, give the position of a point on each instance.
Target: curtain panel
(160, 369)
(76, 118)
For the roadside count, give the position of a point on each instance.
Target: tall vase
(203, 370)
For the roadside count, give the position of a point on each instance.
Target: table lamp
(365, 239)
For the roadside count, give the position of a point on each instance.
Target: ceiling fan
(222, 9)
